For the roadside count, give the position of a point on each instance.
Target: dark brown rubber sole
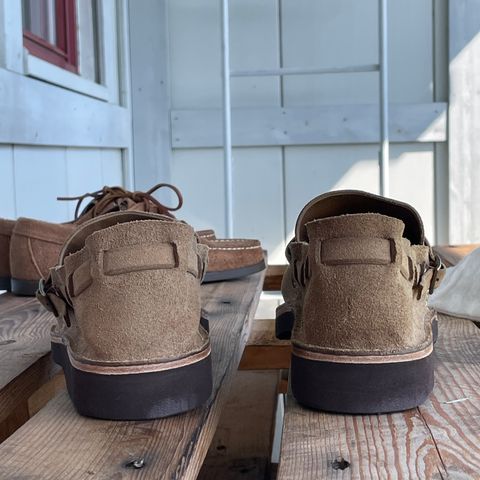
(284, 325)
(139, 396)
(5, 283)
(361, 388)
(27, 288)
(233, 273)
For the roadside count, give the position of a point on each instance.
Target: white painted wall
(62, 134)
(271, 184)
(32, 177)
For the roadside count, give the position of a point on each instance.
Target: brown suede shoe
(35, 245)
(228, 259)
(34, 249)
(356, 287)
(6, 228)
(232, 258)
(130, 337)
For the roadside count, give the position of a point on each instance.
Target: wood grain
(273, 279)
(25, 362)
(452, 254)
(59, 444)
(264, 351)
(435, 441)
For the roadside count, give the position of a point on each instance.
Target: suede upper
(129, 290)
(355, 282)
(35, 246)
(227, 254)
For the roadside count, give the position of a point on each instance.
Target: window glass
(39, 19)
(88, 21)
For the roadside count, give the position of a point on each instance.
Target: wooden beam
(273, 278)
(25, 363)
(328, 124)
(264, 351)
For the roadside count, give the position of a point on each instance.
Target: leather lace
(103, 199)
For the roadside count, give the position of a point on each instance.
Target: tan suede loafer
(232, 258)
(130, 337)
(359, 274)
(34, 245)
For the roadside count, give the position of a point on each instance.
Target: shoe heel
(136, 396)
(361, 388)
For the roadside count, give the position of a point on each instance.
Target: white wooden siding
(31, 178)
(60, 133)
(297, 33)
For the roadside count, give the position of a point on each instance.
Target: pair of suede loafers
(360, 271)
(28, 247)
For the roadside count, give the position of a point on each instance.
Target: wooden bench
(58, 443)
(438, 440)
(25, 365)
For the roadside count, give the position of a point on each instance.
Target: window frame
(115, 79)
(64, 53)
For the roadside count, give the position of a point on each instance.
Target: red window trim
(64, 53)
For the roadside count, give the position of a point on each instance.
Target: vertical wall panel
(36, 176)
(348, 35)
(315, 33)
(195, 62)
(199, 176)
(83, 173)
(464, 121)
(40, 177)
(412, 180)
(111, 167)
(258, 194)
(194, 27)
(7, 191)
(311, 171)
(258, 198)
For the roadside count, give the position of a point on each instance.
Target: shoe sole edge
(136, 396)
(361, 388)
(233, 273)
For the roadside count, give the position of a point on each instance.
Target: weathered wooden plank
(452, 254)
(242, 445)
(25, 363)
(264, 351)
(273, 279)
(437, 440)
(59, 444)
(327, 124)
